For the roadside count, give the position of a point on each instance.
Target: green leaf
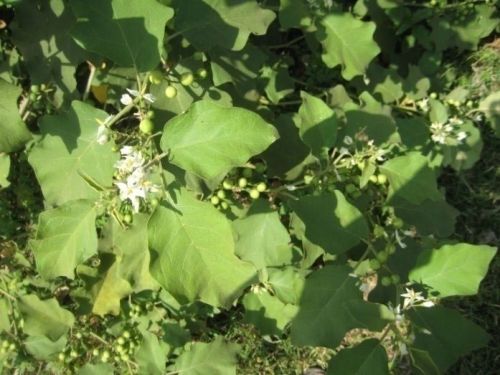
(435, 217)
(45, 317)
(348, 42)
(4, 170)
(130, 245)
(331, 221)
(411, 178)
(453, 270)
(209, 140)
(330, 306)
(210, 23)
(465, 154)
(295, 14)
(129, 32)
(438, 111)
(66, 237)
(287, 284)
(13, 130)
(69, 149)
(414, 131)
(445, 334)
(261, 238)
(317, 124)
(267, 312)
(100, 369)
(372, 119)
(416, 85)
(490, 106)
(278, 82)
(216, 357)
(278, 156)
(193, 253)
(4, 316)
(367, 358)
(151, 355)
(422, 361)
(385, 82)
(43, 348)
(50, 54)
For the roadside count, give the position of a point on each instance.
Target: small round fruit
(434, 95)
(224, 205)
(215, 200)
(120, 341)
(381, 179)
(73, 354)
(127, 218)
(242, 182)
(146, 126)
(221, 194)
(261, 187)
(228, 185)
(154, 202)
(78, 335)
(308, 179)
(155, 77)
(187, 79)
(395, 279)
(95, 352)
(61, 357)
(170, 92)
(254, 194)
(202, 73)
(397, 223)
(378, 231)
(374, 179)
(374, 264)
(126, 334)
(382, 256)
(260, 168)
(247, 172)
(150, 115)
(390, 248)
(386, 281)
(35, 88)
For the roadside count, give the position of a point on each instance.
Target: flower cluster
(441, 132)
(132, 183)
(126, 99)
(412, 299)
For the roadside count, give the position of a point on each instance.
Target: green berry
(242, 182)
(120, 341)
(78, 335)
(150, 115)
(397, 223)
(381, 179)
(350, 188)
(154, 202)
(378, 231)
(386, 281)
(127, 218)
(95, 352)
(308, 179)
(254, 194)
(247, 172)
(261, 187)
(374, 179)
(170, 92)
(382, 256)
(221, 194)
(61, 357)
(434, 95)
(260, 168)
(146, 126)
(390, 248)
(186, 79)
(224, 205)
(202, 73)
(73, 354)
(395, 279)
(126, 334)
(215, 200)
(228, 185)
(374, 264)
(155, 77)
(35, 88)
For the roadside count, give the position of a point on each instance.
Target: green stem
(287, 44)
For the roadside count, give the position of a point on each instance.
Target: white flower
(461, 136)
(134, 93)
(427, 304)
(126, 99)
(133, 159)
(424, 104)
(149, 97)
(456, 121)
(126, 150)
(129, 190)
(348, 140)
(102, 134)
(398, 240)
(411, 297)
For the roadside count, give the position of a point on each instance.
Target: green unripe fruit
(261, 187)
(374, 264)
(170, 92)
(73, 354)
(95, 352)
(154, 202)
(254, 194)
(397, 223)
(228, 185)
(114, 148)
(215, 200)
(350, 188)
(221, 194)
(386, 281)
(155, 77)
(61, 357)
(242, 182)
(224, 205)
(127, 218)
(374, 179)
(434, 95)
(395, 279)
(150, 115)
(381, 179)
(260, 168)
(202, 73)
(126, 334)
(120, 341)
(247, 172)
(382, 256)
(378, 231)
(469, 104)
(78, 335)
(146, 126)
(186, 79)
(391, 249)
(35, 88)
